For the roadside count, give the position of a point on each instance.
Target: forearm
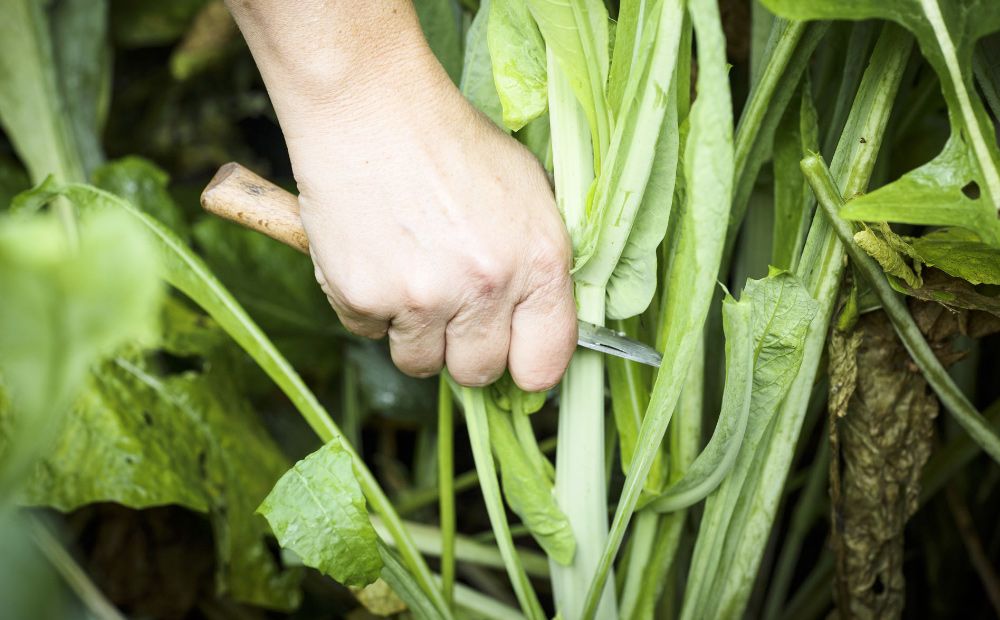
(334, 58)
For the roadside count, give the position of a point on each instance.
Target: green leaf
(519, 66)
(141, 438)
(708, 175)
(13, 181)
(947, 32)
(318, 511)
(477, 71)
(576, 34)
(973, 261)
(782, 313)
(474, 403)
(633, 281)
(717, 459)
(528, 491)
(188, 273)
(32, 111)
(144, 184)
(64, 308)
(440, 24)
(620, 193)
(890, 260)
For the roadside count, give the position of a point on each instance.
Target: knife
(237, 194)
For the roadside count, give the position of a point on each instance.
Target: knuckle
(356, 301)
(415, 365)
(490, 276)
(471, 376)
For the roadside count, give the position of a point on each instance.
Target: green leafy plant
(704, 221)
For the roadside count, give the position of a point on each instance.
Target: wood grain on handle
(241, 196)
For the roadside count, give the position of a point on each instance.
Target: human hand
(430, 225)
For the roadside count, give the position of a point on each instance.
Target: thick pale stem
(580, 488)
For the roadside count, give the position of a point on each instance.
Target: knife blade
(237, 194)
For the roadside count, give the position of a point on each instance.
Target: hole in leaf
(971, 190)
(878, 587)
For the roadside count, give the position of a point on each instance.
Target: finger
(543, 336)
(417, 344)
(477, 342)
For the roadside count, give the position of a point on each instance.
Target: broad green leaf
(519, 65)
(32, 111)
(441, 27)
(717, 459)
(477, 71)
(188, 273)
(947, 31)
(932, 195)
(971, 260)
(64, 307)
(708, 175)
(621, 186)
(529, 491)
(576, 36)
(318, 511)
(782, 313)
(144, 184)
(141, 438)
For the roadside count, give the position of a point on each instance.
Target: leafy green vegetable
(719, 456)
(474, 402)
(477, 71)
(947, 33)
(140, 438)
(519, 65)
(318, 511)
(65, 306)
(782, 313)
(960, 256)
(576, 36)
(184, 270)
(529, 491)
(890, 260)
(708, 173)
(144, 184)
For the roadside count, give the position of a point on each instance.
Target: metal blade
(608, 341)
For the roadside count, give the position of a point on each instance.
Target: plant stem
(428, 540)
(71, 572)
(580, 485)
(950, 395)
(474, 403)
(446, 483)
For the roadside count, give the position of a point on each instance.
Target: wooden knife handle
(239, 195)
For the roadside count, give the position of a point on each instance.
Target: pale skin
(426, 222)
